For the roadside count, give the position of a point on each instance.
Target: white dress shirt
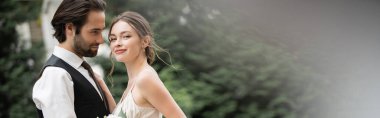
(53, 93)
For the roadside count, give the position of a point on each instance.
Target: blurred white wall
(23, 31)
(48, 9)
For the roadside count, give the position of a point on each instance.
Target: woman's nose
(118, 42)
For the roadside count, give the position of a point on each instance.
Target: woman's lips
(119, 51)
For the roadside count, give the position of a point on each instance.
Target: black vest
(87, 102)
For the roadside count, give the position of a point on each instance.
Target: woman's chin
(120, 59)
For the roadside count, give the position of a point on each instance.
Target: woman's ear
(145, 42)
(70, 30)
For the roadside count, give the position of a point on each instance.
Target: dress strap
(126, 93)
(133, 86)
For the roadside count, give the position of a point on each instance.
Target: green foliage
(20, 70)
(18, 66)
(20, 10)
(179, 93)
(11, 13)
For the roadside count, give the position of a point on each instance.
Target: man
(67, 87)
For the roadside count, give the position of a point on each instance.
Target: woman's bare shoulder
(148, 78)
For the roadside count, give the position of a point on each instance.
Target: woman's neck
(136, 66)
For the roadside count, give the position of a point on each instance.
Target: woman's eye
(112, 39)
(126, 37)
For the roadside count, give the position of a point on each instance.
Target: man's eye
(95, 32)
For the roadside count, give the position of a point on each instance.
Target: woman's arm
(107, 93)
(155, 92)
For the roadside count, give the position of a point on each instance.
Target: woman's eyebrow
(123, 32)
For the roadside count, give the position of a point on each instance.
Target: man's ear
(70, 30)
(145, 41)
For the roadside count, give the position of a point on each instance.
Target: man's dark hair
(73, 11)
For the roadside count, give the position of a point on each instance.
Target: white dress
(127, 108)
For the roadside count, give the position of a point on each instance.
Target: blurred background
(234, 59)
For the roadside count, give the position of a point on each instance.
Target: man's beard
(82, 48)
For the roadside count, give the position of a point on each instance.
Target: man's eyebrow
(97, 29)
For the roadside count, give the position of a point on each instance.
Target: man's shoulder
(54, 71)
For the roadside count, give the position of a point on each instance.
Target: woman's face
(125, 42)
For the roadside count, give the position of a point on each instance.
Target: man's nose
(100, 39)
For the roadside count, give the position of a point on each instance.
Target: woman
(146, 96)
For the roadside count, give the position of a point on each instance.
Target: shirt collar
(68, 56)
